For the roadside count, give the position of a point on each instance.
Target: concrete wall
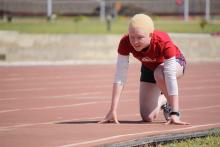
(44, 47)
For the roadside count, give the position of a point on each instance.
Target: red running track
(51, 106)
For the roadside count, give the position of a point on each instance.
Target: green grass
(210, 141)
(92, 25)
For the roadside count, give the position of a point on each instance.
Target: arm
(119, 81)
(112, 114)
(171, 83)
(172, 89)
(116, 93)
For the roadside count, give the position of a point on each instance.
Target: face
(138, 38)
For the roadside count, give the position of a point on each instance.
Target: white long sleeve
(170, 76)
(121, 69)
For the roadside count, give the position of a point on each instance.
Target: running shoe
(166, 111)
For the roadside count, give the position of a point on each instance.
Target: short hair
(143, 22)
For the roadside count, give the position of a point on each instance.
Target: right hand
(176, 120)
(110, 117)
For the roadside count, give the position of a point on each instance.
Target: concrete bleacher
(48, 47)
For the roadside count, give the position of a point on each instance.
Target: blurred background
(89, 30)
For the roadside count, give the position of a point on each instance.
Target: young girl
(162, 64)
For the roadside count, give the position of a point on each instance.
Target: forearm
(119, 80)
(116, 93)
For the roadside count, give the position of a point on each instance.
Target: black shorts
(147, 75)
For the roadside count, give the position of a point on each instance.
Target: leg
(172, 99)
(150, 100)
(160, 80)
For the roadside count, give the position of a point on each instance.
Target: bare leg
(151, 101)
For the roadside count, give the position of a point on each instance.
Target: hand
(176, 120)
(110, 117)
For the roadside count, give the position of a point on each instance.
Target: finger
(103, 121)
(117, 122)
(115, 119)
(168, 122)
(181, 123)
(176, 122)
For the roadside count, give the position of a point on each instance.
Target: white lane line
(93, 77)
(9, 110)
(9, 128)
(72, 87)
(202, 108)
(73, 96)
(136, 134)
(201, 81)
(54, 83)
(61, 106)
(8, 99)
(73, 72)
(58, 82)
(201, 76)
(99, 94)
(201, 95)
(51, 107)
(92, 81)
(201, 87)
(84, 94)
(57, 77)
(71, 84)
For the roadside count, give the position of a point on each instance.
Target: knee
(158, 74)
(148, 118)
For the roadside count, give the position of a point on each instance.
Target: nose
(135, 41)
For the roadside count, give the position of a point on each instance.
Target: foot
(166, 111)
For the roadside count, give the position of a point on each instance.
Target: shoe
(166, 111)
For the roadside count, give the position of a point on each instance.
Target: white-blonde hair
(143, 22)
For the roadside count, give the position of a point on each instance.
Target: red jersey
(161, 47)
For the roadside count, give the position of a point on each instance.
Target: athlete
(162, 64)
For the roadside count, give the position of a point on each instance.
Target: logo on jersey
(147, 59)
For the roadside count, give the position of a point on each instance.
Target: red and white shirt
(161, 48)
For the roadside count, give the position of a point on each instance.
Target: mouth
(137, 46)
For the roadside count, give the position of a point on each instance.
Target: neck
(146, 48)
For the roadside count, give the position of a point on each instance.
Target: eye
(140, 37)
(131, 37)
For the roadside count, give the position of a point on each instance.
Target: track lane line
(136, 134)
(9, 128)
(61, 106)
(98, 86)
(97, 94)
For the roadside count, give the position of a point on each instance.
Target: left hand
(176, 120)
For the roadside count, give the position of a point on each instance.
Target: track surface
(50, 106)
